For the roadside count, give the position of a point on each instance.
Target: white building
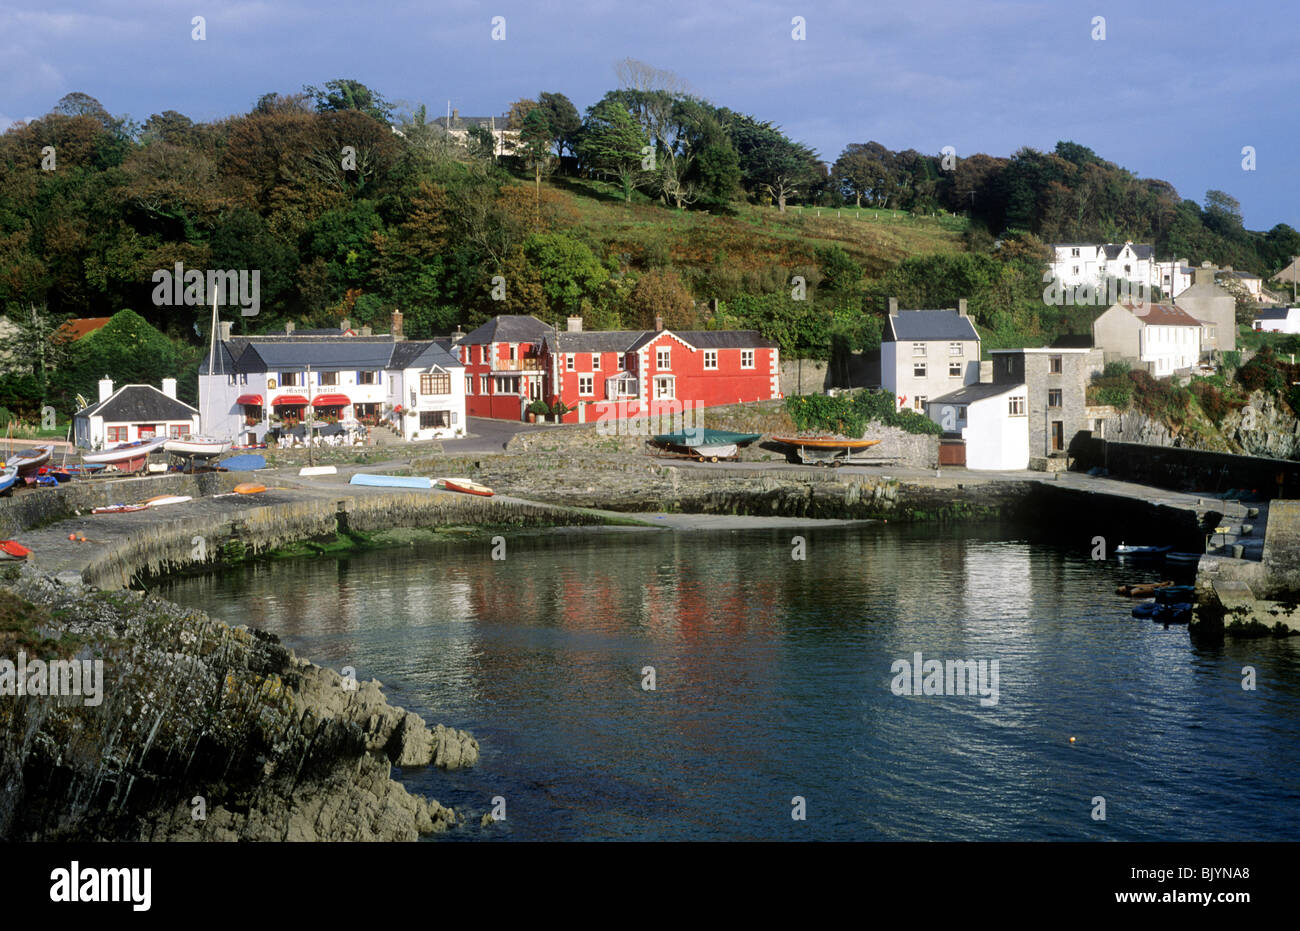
(927, 353)
(260, 383)
(1278, 320)
(1076, 263)
(133, 412)
(1172, 278)
(993, 421)
(1166, 337)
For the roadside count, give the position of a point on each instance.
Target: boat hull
(130, 457)
(465, 486)
(824, 442)
(29, 461)
(195, 448)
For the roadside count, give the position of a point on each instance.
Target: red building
(511, 361)
(618, 374)
(503, 366)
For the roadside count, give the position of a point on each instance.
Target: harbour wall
(1180, 469)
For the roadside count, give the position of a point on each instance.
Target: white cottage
(992, 420)
(133, 412)
(1278, 320)
(926, 353)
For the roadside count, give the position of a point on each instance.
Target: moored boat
(1179, 613)
(8, 475)
(464, 485)
(196, 447)
(1183, 557)
(1125, 550)
(1143, 590)
(1147, 609)
(1175, 594)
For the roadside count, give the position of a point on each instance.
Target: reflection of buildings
(998, 583)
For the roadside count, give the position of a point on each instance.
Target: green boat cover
(702, 437)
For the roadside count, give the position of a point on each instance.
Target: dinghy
(707, 444)
(464, 485)
(8, 476)
(158, 501)
(249, 488)
(246, 463)
(30, 460)
(10, 549)
(1125, 550)
(1185, 558)
(826, 450)
(196, 447)
(1142, 590)
(128, 457)
(391, 481)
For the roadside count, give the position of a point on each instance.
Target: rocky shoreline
(204, 732)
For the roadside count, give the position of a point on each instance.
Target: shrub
(850, 415)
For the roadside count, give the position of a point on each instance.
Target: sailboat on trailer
(202, 445)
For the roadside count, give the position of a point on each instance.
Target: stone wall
(1180, 469)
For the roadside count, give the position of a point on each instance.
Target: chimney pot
(961, 306)
(225, 330)
(365, 330)
(288, 328)
(575, 324)
(169, 387)
(396, 328)
(659, 323)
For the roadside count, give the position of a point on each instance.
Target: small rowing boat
(707, 444)
(9, 549)
(249, 488)
(1125, 550)
(196, 447)
(117, 508)
(30, 460)
(465, 486)
(824, 442)
(391, 481)
(128, 457)
(1146, 590)
(158, 501)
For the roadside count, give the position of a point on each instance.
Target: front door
(1058, 436)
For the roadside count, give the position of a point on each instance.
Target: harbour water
(775, 681)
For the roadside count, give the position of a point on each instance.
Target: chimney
(659, 323)
(893, 305)
(1205, 274)
(288, 328)
(169, 387)
(105, 388)
(961, 306)
(395, 328)
(575, 324)
(365, 330)
(458, 335)
(455, 115)
(225, 330)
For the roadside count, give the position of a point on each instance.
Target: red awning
(289, 400)
(331, 400)
(249, 399)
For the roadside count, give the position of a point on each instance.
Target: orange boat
(824, 442)
(464, 485)
(249, 488)
(9, 549)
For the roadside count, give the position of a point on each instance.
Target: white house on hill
(927, 353)
(1077, 263)
(1278, 320)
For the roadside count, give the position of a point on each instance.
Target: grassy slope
(756, 238)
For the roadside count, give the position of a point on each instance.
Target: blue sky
(1175, 91)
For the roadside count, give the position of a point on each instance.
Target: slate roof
(921, 325)
(1141, 251)
(1236, 274)
(138, 404)
(250, 355)
(725, 339)
(973, 393)
(594, 341)
(509, 328)
(1273, 313)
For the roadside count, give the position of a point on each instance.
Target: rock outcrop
(204, 732)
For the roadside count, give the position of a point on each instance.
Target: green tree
(348, 94)
(568, 271)
(612, 143)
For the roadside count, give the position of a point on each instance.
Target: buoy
(1071, 740)
(81, 539)
(72, 536)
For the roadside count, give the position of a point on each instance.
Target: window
(919, 402)
(1016, 407)
(1010, 364)
(586, 384)
(1054, 397)
(327, 378)
(483, 382)
(918, 368)
(469, 384)
(1076, 269)
(955, 349)
(507, 384)
(117, 434)
(918, 349)
(746, 358)
(663, 358)
(434, 419)
(231, 379)
(710, 358)
(1054, 365)
(1074, 254)
(568, 360)
(288, 379)
(511, 350)
(367, 378)
(664, 387)
(621, 386)
(436, 383)
(961, 412)
(954, 370)
(178, 431)
(1128, 268)
(595, 362)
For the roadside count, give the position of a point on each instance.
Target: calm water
(773, 681)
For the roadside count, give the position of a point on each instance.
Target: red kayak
(464, 485)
